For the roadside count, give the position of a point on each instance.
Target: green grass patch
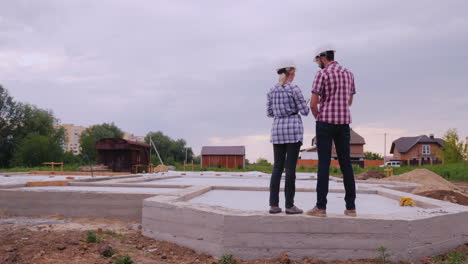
(66, 167)
(113, 234)
(124, 260)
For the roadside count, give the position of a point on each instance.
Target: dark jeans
(285, 154)
(340, 134)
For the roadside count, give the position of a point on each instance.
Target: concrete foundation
(429, 230)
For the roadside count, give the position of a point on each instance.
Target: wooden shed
(120, 154)
(223, 156)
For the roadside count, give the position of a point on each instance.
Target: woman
(285, 102)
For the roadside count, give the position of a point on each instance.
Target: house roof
(223, 150)
(404, 144)
(119, 143)
(356, 139)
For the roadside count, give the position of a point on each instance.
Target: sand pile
(429, 180)
(370, 174)
(432, 186)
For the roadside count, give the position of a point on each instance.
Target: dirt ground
(59, 240)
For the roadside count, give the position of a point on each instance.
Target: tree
(91, 135)
(372, 156)
(171, 151)
(262, 162)
(10, 119)
(454, 150)
(17, 121)
(35, 149)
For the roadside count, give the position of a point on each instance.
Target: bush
(35, 149)
(124, 260)
(227, 259)
(91, 237)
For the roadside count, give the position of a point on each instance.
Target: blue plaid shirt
(283, 104)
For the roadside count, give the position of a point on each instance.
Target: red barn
(223, 156)
(120, 154)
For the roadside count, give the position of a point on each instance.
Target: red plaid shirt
(335, 85)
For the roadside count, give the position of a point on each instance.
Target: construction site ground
(54, 239)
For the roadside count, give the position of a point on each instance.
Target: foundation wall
(217, 231)
(73, 204)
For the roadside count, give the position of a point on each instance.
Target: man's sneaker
(350, 212)
(275, 210)
(294, 210)
(317, 212)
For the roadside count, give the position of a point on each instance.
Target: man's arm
(314, 101)
(351, 100)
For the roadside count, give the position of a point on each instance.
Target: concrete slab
(368, 204)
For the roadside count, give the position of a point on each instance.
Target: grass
(91, 237)
(124, 260)
(451, 172)
(383, 256)
(113, 234)
(451, 258)
(227, 259)
(66, 167)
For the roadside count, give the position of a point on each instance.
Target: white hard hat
(286, 64)
(324, 48)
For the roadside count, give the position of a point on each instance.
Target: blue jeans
(340, 134)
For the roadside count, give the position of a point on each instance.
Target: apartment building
(72, 138)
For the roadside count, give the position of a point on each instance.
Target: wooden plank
(46, 183)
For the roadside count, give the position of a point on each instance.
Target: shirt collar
(331, 63)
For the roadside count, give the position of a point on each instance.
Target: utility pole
(385, 147)
(186, 155)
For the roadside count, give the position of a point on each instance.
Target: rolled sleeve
(318, 84)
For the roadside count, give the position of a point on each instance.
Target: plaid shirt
(283, 104)
(335, 85)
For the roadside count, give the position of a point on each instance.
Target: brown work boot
(317, 212)
(350, 212)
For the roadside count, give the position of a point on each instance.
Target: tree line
(30, 136)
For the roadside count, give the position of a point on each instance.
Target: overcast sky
(200, 70)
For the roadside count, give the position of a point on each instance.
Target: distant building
(357, 143)
(72, 138)
(223, 156)
(418, 150)
(131, 137)
(121, 155)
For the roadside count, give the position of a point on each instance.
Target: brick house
(357, 143)
(420, 150)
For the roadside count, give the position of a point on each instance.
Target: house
(357, 143)
(121, 155)
(223, 156)
(418, 150)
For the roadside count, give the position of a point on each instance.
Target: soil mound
(450, 196)
(429, 180)
(370, 174)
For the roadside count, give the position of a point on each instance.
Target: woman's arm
(269, 109)
(300, 101)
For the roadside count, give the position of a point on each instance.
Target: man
(333, 89)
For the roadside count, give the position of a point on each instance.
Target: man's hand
(314, 101)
